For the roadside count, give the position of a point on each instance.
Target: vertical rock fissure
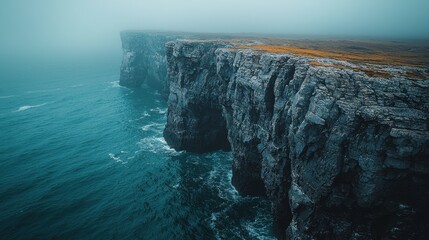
(269, 94)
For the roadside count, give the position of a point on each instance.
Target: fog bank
(47, 25)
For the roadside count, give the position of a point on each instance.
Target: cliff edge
(339, 145)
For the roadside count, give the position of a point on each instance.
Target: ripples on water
(83, 158)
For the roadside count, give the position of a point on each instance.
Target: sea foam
(117, 159)
(23, 108)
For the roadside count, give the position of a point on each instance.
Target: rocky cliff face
(144, 59)
(195, 121)
(340, 154)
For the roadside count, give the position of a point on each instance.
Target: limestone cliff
(195, 122)
(144, 59)
(341, 154)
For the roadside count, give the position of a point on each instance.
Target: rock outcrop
(340, 154)
(144, 60)
(195, 122)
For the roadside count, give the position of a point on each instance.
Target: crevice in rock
(246, 170)
(248, 184)
(269, 94)
(291, 73)
(285, 215)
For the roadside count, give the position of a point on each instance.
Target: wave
(223, 183)
(23, 108)
(10, 96)
(257, 228)
(254, 230)
(145, 115)
(117, 159)
(155, 145)
(115, 84)
(159, 110)
(154, 126)
(77, 85)
(44, 90)
(256, 221)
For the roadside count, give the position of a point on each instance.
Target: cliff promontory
(340, 145)
(143, 60)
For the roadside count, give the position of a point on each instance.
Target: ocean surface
(83, 158)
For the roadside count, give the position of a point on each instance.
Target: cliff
(144, 57)
(195, 122)
(144, 61)
(339, 148)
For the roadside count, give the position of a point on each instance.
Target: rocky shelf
(339, 145)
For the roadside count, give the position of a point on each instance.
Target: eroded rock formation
(341, 155)
(144, 60)
(195, 122)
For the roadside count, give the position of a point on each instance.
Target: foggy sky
(50, 24)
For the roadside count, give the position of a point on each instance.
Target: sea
(83, 158)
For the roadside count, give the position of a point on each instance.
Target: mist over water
(84, 25)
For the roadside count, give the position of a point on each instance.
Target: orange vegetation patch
(400, 58)
(416, 74)
(319, 64)
(375, 73)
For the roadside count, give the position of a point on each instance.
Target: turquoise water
(83, 158)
